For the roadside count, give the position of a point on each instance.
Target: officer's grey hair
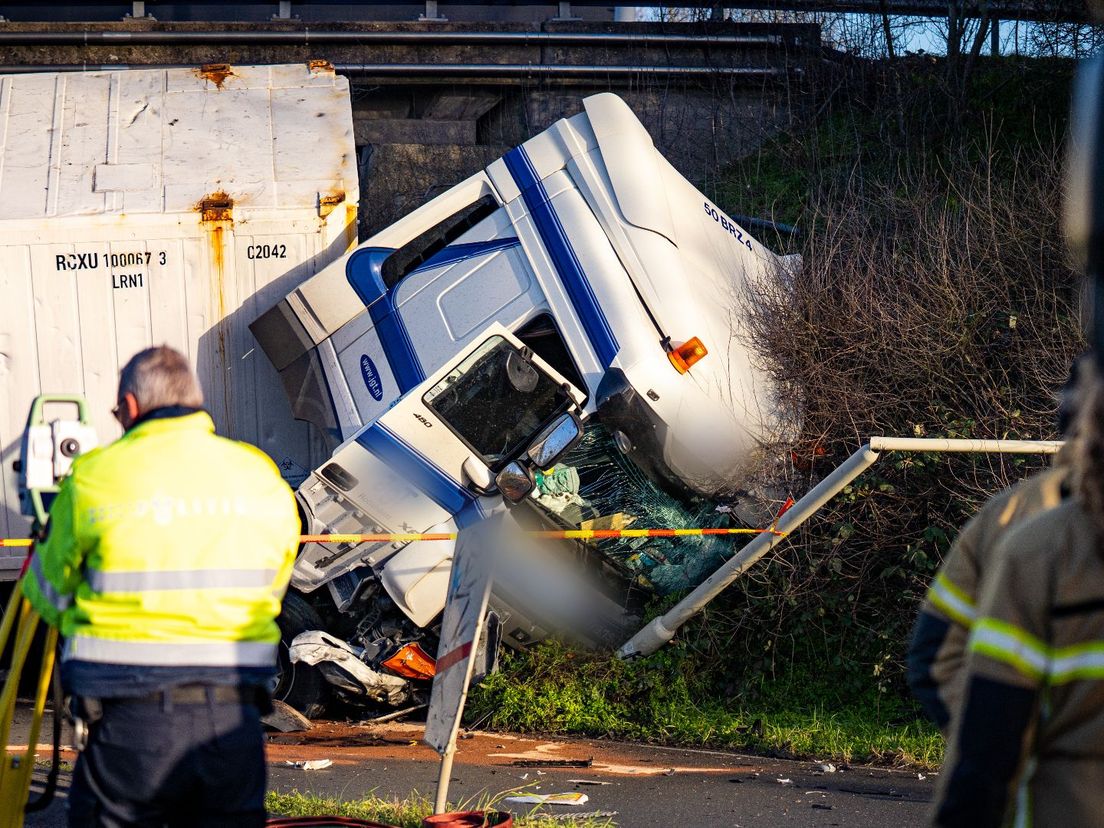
(159, 377)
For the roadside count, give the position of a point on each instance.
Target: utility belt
(87, 711)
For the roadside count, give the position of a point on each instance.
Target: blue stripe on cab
(563, 257)
(363, 273)
(469, 515)
(391, 449)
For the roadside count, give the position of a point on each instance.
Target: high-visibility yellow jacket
(170, 547)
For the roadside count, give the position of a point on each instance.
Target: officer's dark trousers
(153, 764)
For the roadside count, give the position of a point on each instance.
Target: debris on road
(553, 763)
(398, 714)
(827, 767)
(286, 718)
(310, 764)
(572, 798)
(588, 782)
(784, 781)
(580, 815)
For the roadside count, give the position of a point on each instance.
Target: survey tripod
(46, 455)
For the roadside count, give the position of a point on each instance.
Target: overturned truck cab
(577, 283)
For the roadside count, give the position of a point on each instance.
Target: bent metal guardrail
(662, 629)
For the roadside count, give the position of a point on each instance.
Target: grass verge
(405, 813)
(666, 699)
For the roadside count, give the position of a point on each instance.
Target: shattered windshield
(595, 486)
(496, 401)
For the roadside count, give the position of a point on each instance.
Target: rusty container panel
(151, 207)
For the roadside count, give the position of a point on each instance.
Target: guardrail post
(564, 12)
(431, 12)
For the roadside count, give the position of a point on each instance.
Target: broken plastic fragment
(310, 764)
(549, 799)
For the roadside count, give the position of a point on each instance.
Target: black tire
(299, 685)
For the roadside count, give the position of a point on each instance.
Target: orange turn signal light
(412, 662)
(686, 354)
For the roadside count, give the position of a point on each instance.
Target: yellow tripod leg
(19, 608)
(23, 774)
(16, 770)
(10, 612)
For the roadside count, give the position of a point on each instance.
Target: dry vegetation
(937, 298)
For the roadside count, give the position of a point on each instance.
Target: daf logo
(371, 377)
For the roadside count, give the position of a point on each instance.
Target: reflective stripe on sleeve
(1081, 661)
(170, 653)
(952, 601)
(1009, 644)
(182, 579)
(56, 599)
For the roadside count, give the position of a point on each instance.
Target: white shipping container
(164, 207)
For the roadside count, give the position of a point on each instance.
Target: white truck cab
(580, 264)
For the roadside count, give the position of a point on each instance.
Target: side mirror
(515, 482)
(555, 441)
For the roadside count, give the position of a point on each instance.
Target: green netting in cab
(615, 494)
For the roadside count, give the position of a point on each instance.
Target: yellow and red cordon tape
(560, 534)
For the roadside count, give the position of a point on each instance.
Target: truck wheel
(300, 685)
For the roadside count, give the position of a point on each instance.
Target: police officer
(1029, 744)
(938, 648)
(167, 556)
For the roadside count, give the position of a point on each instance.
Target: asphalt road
(645, 785)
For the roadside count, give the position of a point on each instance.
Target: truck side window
(544, 338)
(426, 245)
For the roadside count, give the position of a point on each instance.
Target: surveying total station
(47, 452)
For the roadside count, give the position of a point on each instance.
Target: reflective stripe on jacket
(1040, 636)
(936, 669)
(170, 547)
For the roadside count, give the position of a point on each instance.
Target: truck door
(428, 298)
(428, 465)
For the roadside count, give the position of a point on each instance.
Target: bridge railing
(1067, 11)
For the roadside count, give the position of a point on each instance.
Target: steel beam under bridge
(1063, 11)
